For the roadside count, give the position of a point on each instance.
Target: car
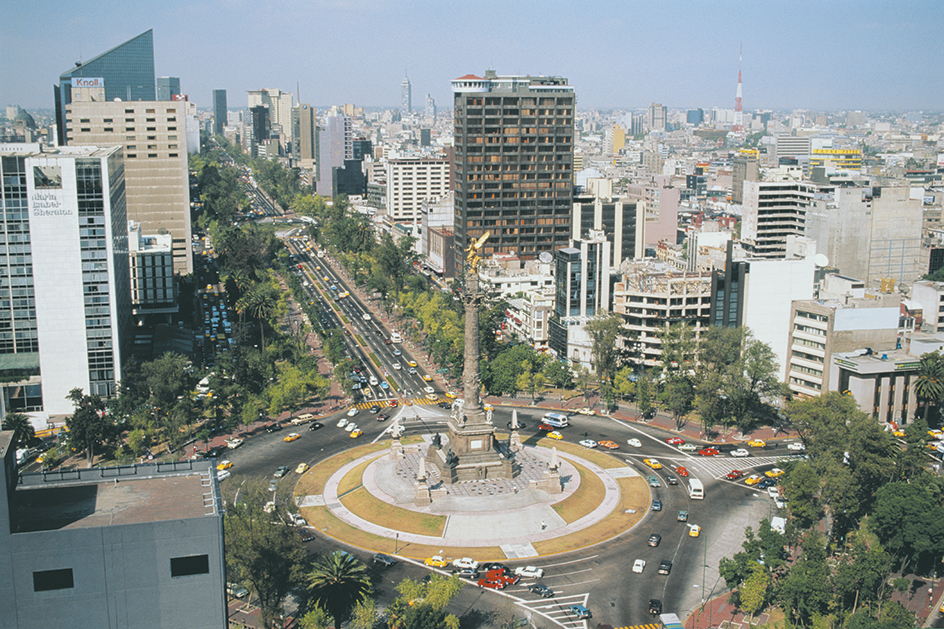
(529, 572)
(734, 474)
(580, 611)
(382, 417)
(467, 573)
(397, 352)
(649, 414)
(753, 479)
(682, 516)
(586, 411)
(609, 445)
(366, 317)
(236, 590)
(429, 378)
(694, 530)
(774, 473)
(774, 491)
(639, 565)
(936, 434)
(273, 428)
(384, 385)
(384, 560)
(325, 278)
(654, 540)
(492, 585)
(656, 505)
(374, 409)
(224, 465)
(221, 476)
(653, 463)
(411, 363)
(394, 403)
(356, 433)
(315, 426)
(588, 443)
(671, 480)
(352, 412)
(665, 566)
(273, 485)
(541, 590)
(708, 452)
(757, 443)
(682, 471)
(350, 426)
(521, 425)
(282, 471)
(447, 406)
(411, 371)
(297, 519)
(554, 435)
(302, 468)
(653, 481)
(636, 443)
(435, 561)
(292, 436)
(688, 447)
(799, 447)
(675, 441)
(396, 366)
(232, 444)
(450, 395)
(547, 427)
(494, 565)
(897, 433)
(655, 606)
(740, 452)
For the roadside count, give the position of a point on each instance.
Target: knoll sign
(88, 82)
(47, 203)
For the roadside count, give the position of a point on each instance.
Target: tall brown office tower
(514, 155)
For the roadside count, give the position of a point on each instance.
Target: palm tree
(259, 302)
(21, 427)
(336, 583)
(929, 386)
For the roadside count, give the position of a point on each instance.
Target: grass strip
(372, 509)
(360, 340)
(352, 480)
(374, 359)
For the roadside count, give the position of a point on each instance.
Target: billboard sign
(88, 82)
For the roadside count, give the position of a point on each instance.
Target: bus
(557, 420)
(670, 621)
(395, 337)
(696, 491)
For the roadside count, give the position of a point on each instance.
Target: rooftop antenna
(738, 128)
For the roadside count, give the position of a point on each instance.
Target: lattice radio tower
(738, 110)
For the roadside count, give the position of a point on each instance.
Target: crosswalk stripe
(649, 626)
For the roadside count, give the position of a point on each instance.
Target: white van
(557, 420)
(373, 381)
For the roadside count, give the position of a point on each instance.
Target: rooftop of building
(36, 150)
(871, 360)
(113, 496)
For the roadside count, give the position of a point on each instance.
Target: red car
(708, 452)
(681, 471)
(394, 403)
(734, 474)
(492, 585)
(501, 575)
(546, 427)
(675, 441)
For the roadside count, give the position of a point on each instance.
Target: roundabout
(364, 497)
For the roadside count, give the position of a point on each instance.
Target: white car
(639, 565)
(223, 475)
(465, 562)
(429, 389)
(366, 317)
(796, 445)
(297, 519)
(530, 572)
(688, 447)
(636, 443)
(352, 412)
(396, 366)
(740, 452)
(774, 492)
(350, 427)
(588, 443)
(342, 423)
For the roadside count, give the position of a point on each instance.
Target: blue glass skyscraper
(127, 71)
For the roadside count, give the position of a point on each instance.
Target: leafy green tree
(89, 425)
(908, 522)
(861, 576)
(802, 487)
(604, 331)
(23, 433)
(266, 555)
(805, 591)
(679, 348)
(337, 582)
(260, 303)
(929, 385)
(364, 615)
(316, 618)
(753, 593)
(678, 396)
(644, 394)
(624, 382)
(558, 374)
(425, 617)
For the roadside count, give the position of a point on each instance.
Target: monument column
(471, 379)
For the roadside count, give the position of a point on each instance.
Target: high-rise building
(307, 141)
(657, 117)
(67, 313)
(336, 145)
(166, 87)
(615, 218)
(406, 95)
(280, 112)
(430, 107)
(154, 137)
(773, 210)
(695, 116)
(219, 111)
(125, 72)
(411, 181)
(743, 168)
(514, 153)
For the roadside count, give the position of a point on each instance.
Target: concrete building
(514, 152)
(65, 270)
(931, 297)
(280, 106)
(773, 210)
(307, 138)
(166, 87)
(880, 382)
(219, 111)
(129, 546)
(658, 201)
(335, 146)
(657, 117)
(792, 146)
(528, 317)
(506, 275)
(743, 168)
(430, 107)
(125, 72)
(411, 181)
(650, 297)
(157, 182)
(406, 95)
(153, 282)
(619, 221)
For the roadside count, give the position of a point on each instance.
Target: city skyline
(616, 55)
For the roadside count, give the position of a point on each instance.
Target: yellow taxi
(936, 434)
(554, 435)
(653, 463)
(899, 433)
(450, 395)
(753, 479)
(774, 473)
(292, 436)
(224, 465)
(757, 443)
(432, 396)
(357, 432)
(427, 377)
(488, 407)
(302, 468)
(436, 562)
(411, 363)
(694, 530)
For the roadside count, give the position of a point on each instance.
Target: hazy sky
(875, 55)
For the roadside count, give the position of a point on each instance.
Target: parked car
(734, 474)
(352, 412)
(796, 445)
(585, 411)
(435, 561)
(236, 590)
(774, 473)
(753, 479)
(273, 427)
(281, 471)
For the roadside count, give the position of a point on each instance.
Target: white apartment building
(773, 210)
(413, 181)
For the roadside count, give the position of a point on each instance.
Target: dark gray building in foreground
(134, 546)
